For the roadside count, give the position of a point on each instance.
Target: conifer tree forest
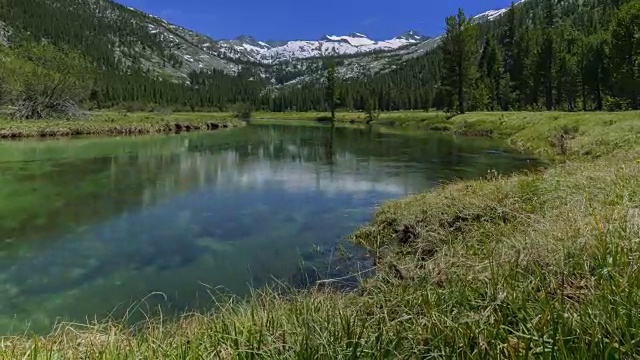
(570, 55)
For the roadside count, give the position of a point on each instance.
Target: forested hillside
(541, 54)
(127, 64)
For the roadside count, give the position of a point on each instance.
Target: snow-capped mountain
(412, 35)
(492, 14)
(270, 52)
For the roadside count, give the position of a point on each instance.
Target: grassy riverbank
(117, 124)
(542, 264)
(383, 118)
(595, 133)
(136, 123)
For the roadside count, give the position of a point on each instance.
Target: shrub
(243, 111)
(611, 103)
(324, 118)
(560, 141)
(37, 107)
(49, 83)
(162, 110)
(441, 127)
(133, 106)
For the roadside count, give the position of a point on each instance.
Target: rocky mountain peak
(358, 35)
(411, 35)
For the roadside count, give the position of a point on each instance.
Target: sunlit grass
(591, 134)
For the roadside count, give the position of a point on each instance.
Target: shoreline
(531, 264)
(100, 124)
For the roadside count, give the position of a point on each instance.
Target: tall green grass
(115, 124)
(535, 265)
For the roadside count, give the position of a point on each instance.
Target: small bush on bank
(242, 111)
(162, 110)
(133, 106)
(44, 82)
(441, 127)
(324, 118)
(37, 107)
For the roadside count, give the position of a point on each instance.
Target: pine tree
(371, 106)
(625, 52)
(547, 53)
(459, 51)
(512, 61)
(491, 69)
(428, 98)
(331, 91)
(595, 69)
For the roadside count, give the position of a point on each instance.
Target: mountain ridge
(275, 42)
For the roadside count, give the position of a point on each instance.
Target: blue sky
(309, 20)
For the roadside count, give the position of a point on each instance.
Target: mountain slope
(116, 37)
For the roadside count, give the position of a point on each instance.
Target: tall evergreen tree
(331, 90)
(547, 53)
(459, 50)
(491, 70)
(625, 52)
(595, 70)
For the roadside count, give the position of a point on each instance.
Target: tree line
(560, 55)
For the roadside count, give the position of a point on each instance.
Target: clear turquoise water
(90, 226)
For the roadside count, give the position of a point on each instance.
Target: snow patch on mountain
(493, 14)
(329, 45)
(411, 35)
(352, 40)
